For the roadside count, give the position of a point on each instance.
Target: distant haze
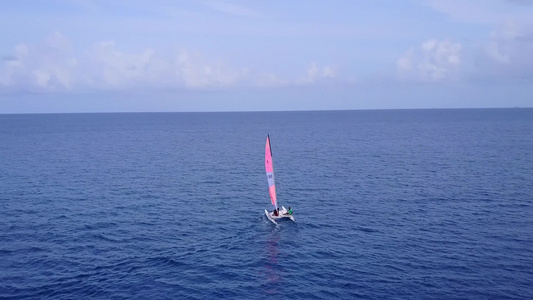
(162, 55)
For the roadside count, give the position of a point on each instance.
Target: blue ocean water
(391, 204)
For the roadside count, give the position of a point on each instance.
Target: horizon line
(264, 111)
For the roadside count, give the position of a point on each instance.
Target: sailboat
(269, 167)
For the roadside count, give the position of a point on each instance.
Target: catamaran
(269, 167)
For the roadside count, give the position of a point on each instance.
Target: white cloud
(495, 53)
(328, 72)
(509, 52)
(315, 73)
(506, 54)
(46, 66)
(53, 66)
(270, 80)
(433, 60)
(312, 72)
(110, 67)
(197, 73)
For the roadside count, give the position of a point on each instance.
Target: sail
(270, 173)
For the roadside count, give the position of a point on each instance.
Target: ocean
(389, 204)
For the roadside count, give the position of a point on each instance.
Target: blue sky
(229, 55)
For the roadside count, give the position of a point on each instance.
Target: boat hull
(270, 217)
(282, 214)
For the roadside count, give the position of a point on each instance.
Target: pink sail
(270, 173)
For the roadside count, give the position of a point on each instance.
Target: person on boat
(276, 212)
(289, 212)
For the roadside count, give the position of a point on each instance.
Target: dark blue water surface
(399, 204)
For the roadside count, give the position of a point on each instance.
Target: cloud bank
(53, 65)
(509, 53)
(433, 60)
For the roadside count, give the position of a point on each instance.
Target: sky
(262, 55)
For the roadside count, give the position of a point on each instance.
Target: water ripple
(389, 205)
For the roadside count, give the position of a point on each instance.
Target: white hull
(270, 217)
(282, 214)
